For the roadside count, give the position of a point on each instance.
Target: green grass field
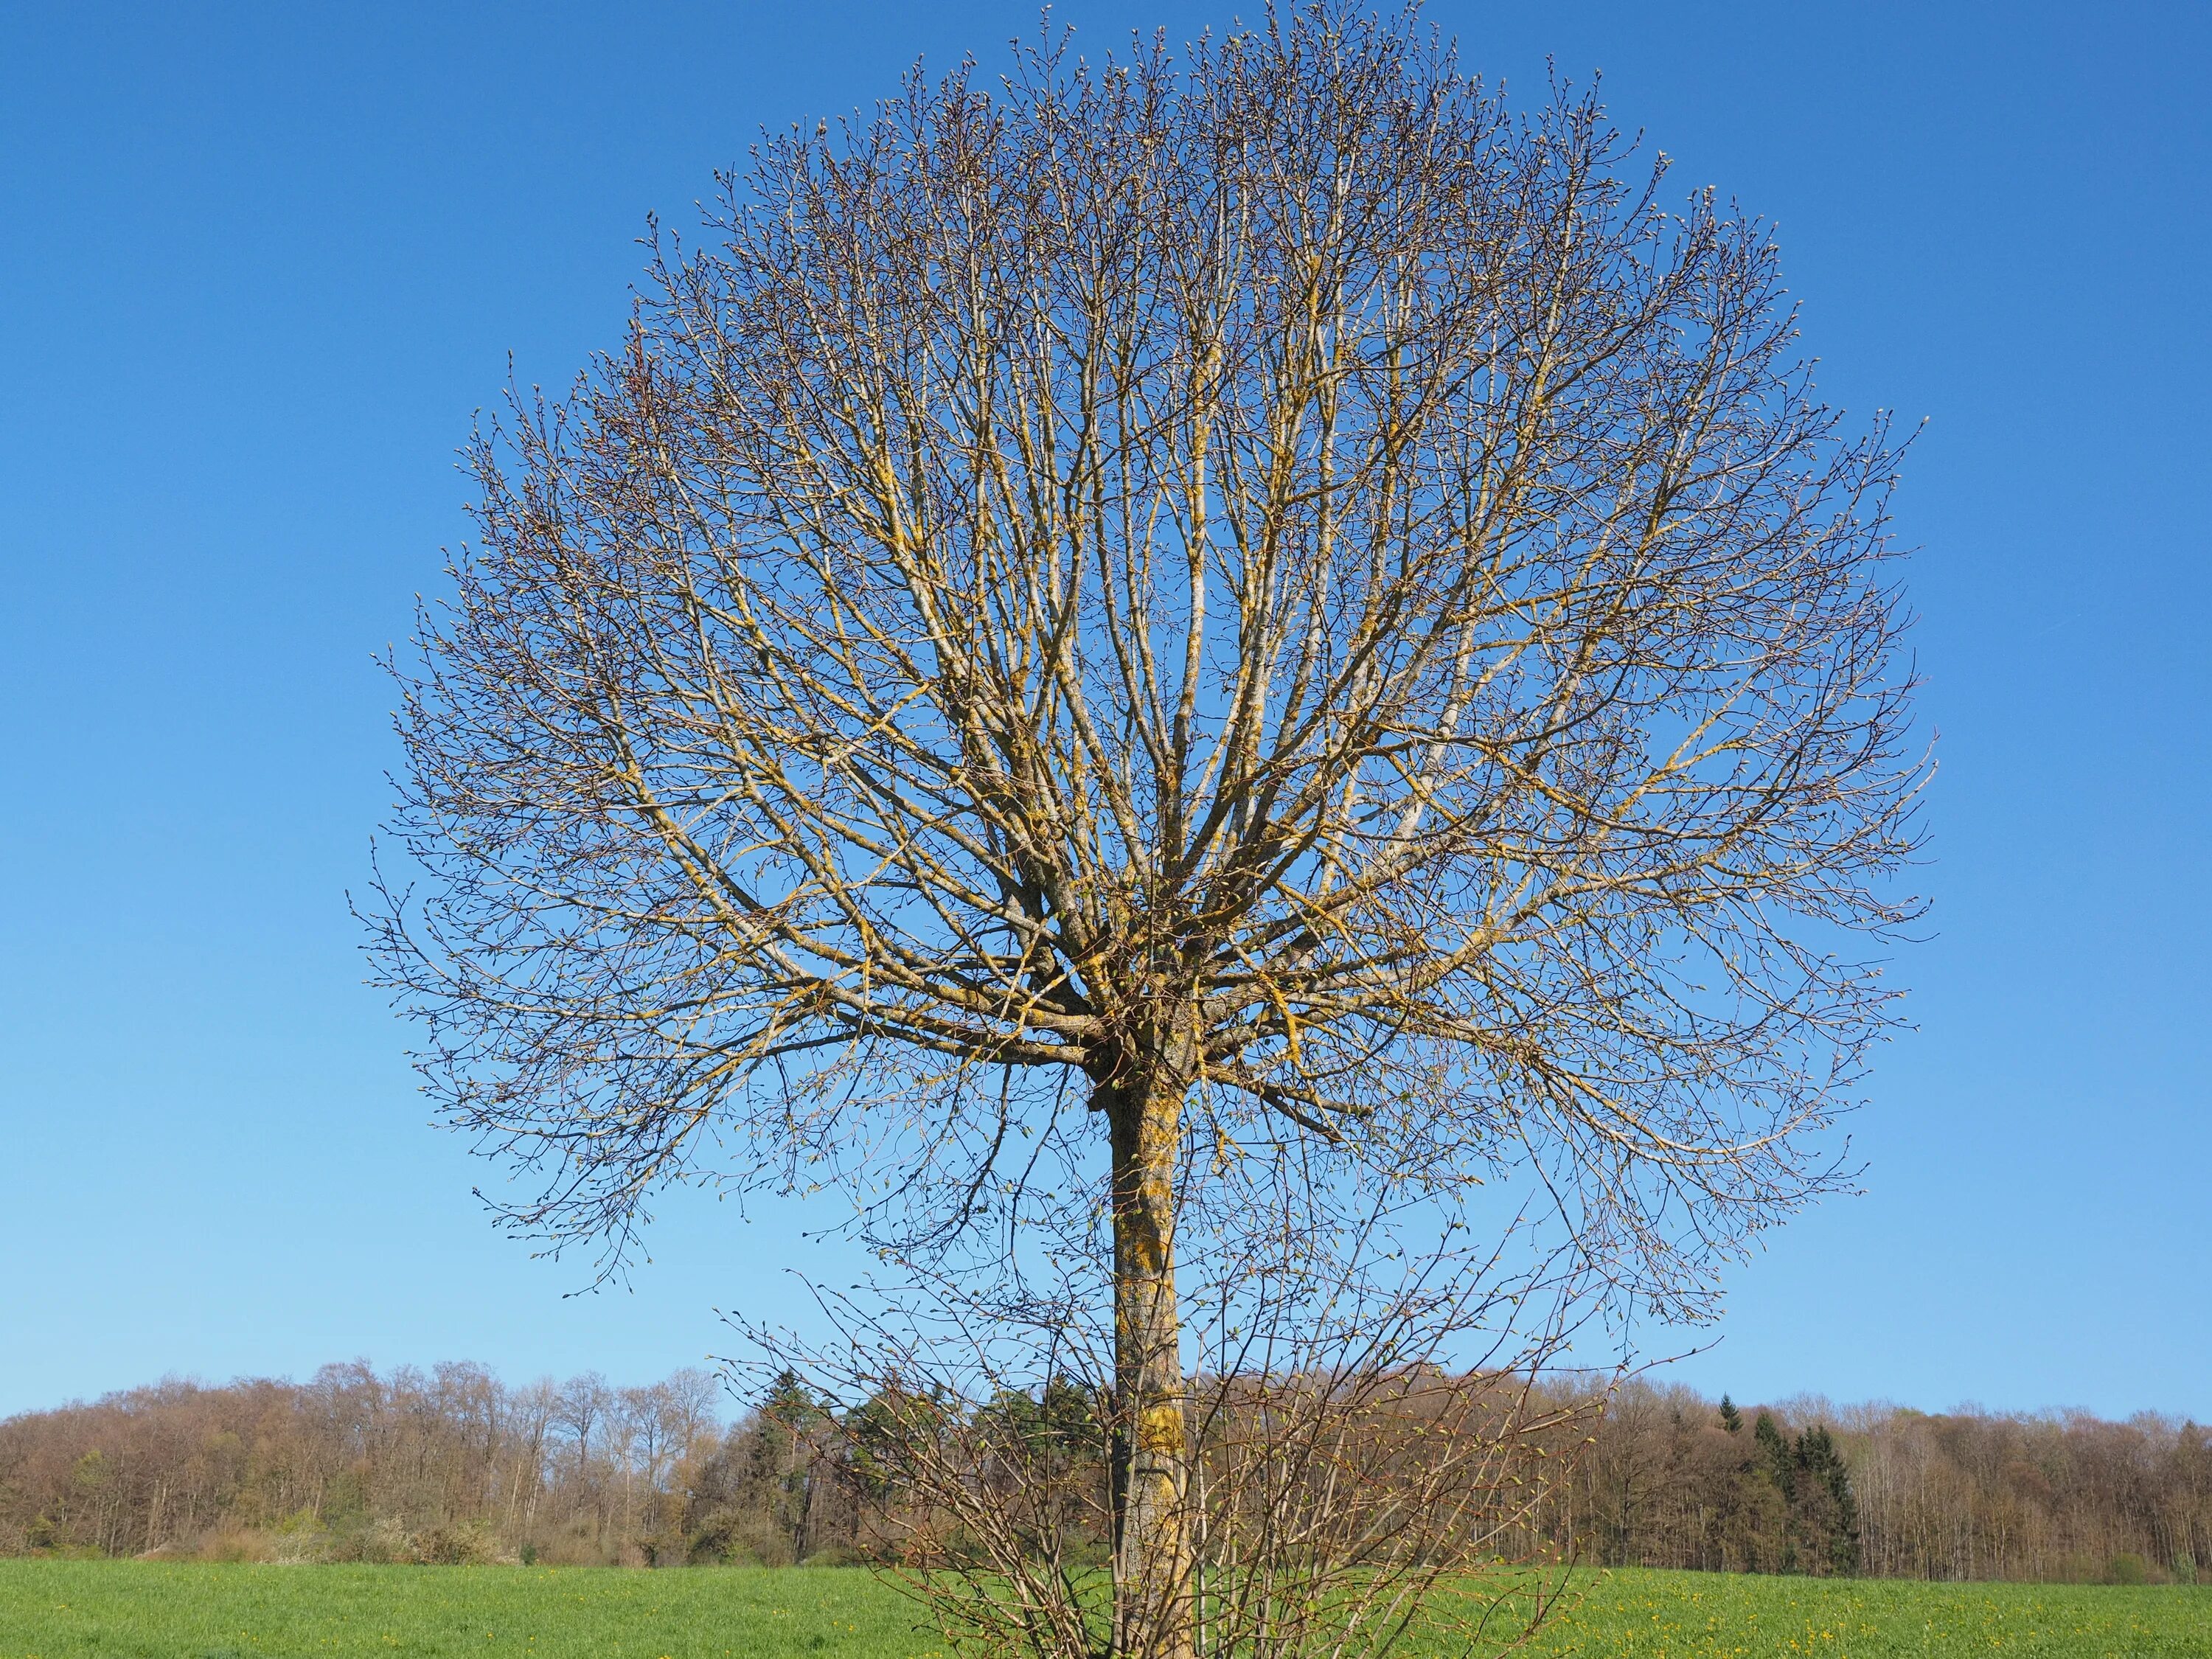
(127, 1609)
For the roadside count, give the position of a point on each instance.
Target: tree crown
(1270, 570)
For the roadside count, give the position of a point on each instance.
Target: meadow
(63, 1610)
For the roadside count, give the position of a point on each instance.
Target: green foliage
(1827, 1515)
(1793, 1507)
(1773, 1452)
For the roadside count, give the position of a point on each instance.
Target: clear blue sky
(258, 267)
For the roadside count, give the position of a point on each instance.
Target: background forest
(453, 1466)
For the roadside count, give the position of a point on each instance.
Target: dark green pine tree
(1823, 1513)
(1776, 1460)
(1731, 1418)
(1774, 1465)
(786, 1455)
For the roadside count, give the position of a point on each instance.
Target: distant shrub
(383, 1540)
(457, 1544)
(299, 1538)
(233, 1543)
(2127, 1568)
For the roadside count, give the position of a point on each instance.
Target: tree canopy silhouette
(1256, 619)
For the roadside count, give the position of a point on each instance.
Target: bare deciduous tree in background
(1210, 648)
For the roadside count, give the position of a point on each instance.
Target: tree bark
(1153, 1562)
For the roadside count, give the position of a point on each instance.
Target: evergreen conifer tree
(1776, 1460)
(1823, 1512)
(1775, 1467)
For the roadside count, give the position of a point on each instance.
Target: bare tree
(687, 1405)
(1337, 1473)
(1226, 639)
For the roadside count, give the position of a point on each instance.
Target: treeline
(451, 1465)
(1672, 1479)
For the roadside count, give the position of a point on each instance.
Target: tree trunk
(1152, 1546)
